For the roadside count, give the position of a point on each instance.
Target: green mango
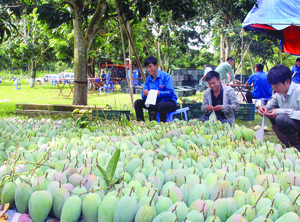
(165, 216)
(290, 216)
(22, 195)
(107, 208)
(146, 213)
(60, 196)
(71, 209)
(40, 204)
(8, 194)
(125, 210)
(90, 205)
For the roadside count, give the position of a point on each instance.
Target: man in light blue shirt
(283, 109)
(296, 71)
(224, 68)
(166, 101)
(262, 89)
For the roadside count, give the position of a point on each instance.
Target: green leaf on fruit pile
(124, 120)
(111, 167)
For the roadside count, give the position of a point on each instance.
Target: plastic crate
(199, 77)
(184, 72)
(179, 93)
(183, 77)
(176, 72)
(193, 71)
(175, 77)
(194, 77)
(179, 83)
(195, 110)
(245, 112)
(186, 83)
(137, 90)
(191, 89)
(111, 114)
(125, 90)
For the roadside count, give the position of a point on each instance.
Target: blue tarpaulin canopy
(277, 18)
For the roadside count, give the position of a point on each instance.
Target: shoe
(279, 135)
(293, 140)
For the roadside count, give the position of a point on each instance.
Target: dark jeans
(249, 97)
(205, 118)
(286, 125)
(163, 108)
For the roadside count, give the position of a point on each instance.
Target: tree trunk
(91, 67)
(159, 56)
(227, 47)
(222, 41)
(33, 73)
(80, 60)
(222, 51)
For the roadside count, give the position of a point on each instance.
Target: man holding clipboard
(296, 72)
(164, 101)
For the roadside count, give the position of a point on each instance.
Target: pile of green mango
(180, 171)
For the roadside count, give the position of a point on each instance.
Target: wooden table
(61, 84)
(241, 90)
(94, 85)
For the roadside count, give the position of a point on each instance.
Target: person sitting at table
(103, 76)
(296, 72)
(219, 98)
(262, 89)
(283, 110)
(166, 101)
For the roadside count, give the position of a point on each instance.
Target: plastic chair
(106, 89)
(17, 86)
(170, 115)
(262, 102)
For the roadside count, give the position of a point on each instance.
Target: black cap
(298, 60)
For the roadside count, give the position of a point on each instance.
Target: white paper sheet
(151, 98)
(259, 134)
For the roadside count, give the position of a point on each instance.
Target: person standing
(219, 98)
(224, 68)
(166, 98)
(296, 72)
(262, 89)
(283, 109)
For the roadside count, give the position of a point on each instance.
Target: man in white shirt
(283, 109)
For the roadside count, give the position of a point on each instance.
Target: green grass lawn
(47, 94)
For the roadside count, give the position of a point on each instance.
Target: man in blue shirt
(262, 89)
(166, 99)
(296, 72)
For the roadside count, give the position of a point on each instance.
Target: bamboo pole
(239, 66)
(124, 55)
(146, 46)
(130, 68)
(135, 53)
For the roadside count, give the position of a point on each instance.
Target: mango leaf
(112, 165)
(103, 173)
